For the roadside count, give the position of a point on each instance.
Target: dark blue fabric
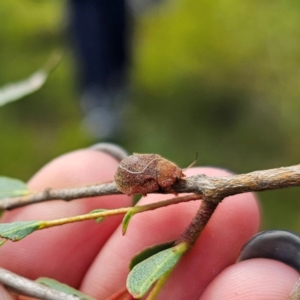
(99, 34)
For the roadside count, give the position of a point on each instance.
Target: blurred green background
(218, 77)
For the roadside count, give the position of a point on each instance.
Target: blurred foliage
(218, 77)
(45, 124)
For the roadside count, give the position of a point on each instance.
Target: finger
(64, 253)
(234, 221)
(279, 245)
(259, 279)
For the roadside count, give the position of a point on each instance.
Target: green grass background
(218, 77)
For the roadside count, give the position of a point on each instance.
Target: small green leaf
(17, 90)
(126, 220)
(98, 220)
(146, 253)
(56, 285)
(10, 187)
(18, 230)
(144, 274)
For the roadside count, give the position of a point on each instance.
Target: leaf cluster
(146, 268)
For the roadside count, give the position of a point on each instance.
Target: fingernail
(280, 245)
(114, 150)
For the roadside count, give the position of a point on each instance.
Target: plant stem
(167, 202)
(192, 232)
(80, 218)
(61, 194)
(24, 286)
(118, 211)
(212, 188)
(215, 189)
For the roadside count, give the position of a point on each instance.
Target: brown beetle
(146, 173)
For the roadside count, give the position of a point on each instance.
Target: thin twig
(164, 203)
(61, 194)
(31, 288)
(213, 188)
(192, 232)
(119, 211)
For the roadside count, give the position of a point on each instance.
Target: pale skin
(94, 257)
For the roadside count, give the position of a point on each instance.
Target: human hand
(94, 257)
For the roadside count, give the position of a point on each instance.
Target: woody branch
(212, 189)
(24, 286)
